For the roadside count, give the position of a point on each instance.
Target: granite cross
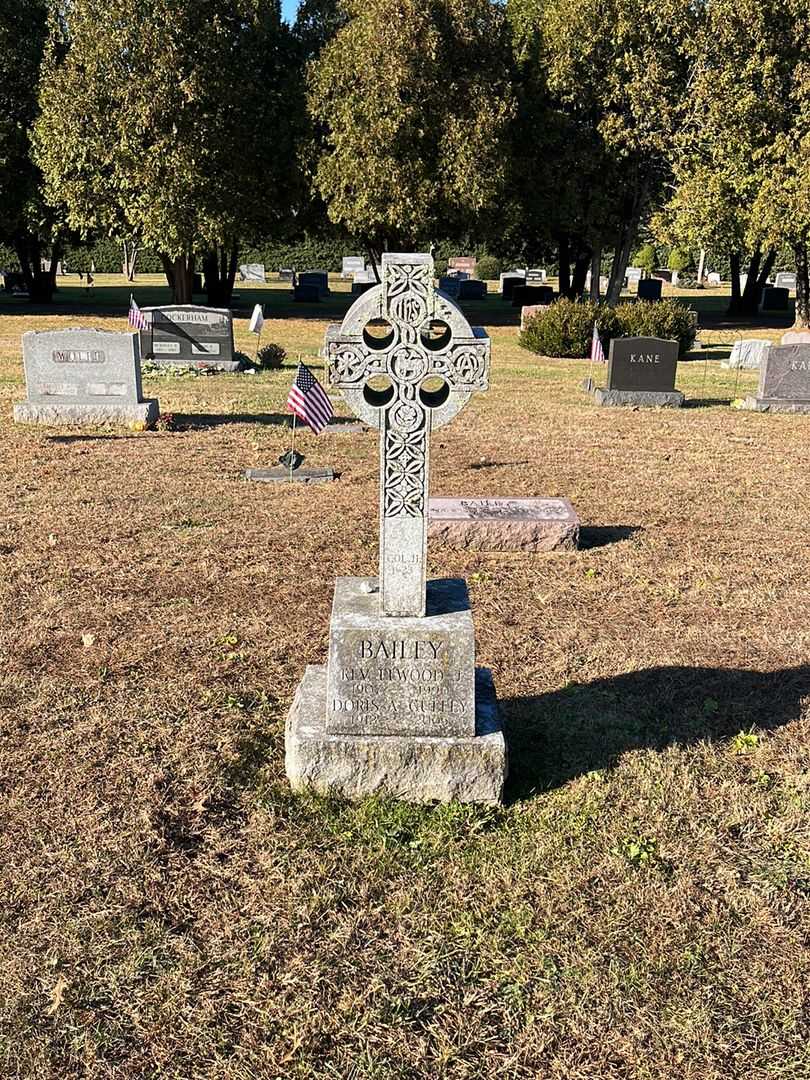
(407, 361)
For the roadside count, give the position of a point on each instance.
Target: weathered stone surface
(407, 333)
(401, 675)
(189, 335)
(784, 380)
(83, 376)
(785, 279)
(528, 312)
(411, 767)
(642, 399)
(252, 272)
(796, 337)
(279, 475)
(504, 524)
(352, 264)
(32, 412)
(756, 404)
(747, 354)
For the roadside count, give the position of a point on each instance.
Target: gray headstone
(307, 293)
(401, 709)
(535, 276)
(472, 290)
(286, 273)
(774, 299)
(252, 272)
(784, 380)
(189, 334)
(785, 280)
(641, 363)
(747, 354)
(633, 274)
(713, 278)
(83, 376)
(649, 289)
(351, 265)
(513, 276)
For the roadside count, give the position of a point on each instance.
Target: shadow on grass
(210, 420)
(87, 438)
(558, 736)
(602, 535)
(705, 403)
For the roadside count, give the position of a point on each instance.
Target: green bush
(660, 319)
(271, 356)
(679, 260)
(488, 268)
(565, 329)
(646, 258)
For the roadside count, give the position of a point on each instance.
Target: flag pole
(588, 379)
(292, 448)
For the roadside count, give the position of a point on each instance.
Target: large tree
(414, 100)
(600, 90)
(25, 222)
(168, 122)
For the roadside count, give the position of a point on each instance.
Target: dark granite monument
(650, 289)
(775, 299)
(307, 294)
(524, 295)
(641, 372)
(189, 336)
(784, 380)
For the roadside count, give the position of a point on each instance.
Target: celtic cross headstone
(400, 707)
(407, 361)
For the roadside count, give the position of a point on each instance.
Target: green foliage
(565, 328)
(414, 99)
(679, 260)
(646, 257)
(271, 356)
(663, 319)
(178, 137)
(488, 268)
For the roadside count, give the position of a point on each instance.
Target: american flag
(137, 319)
(597, 352)
(308, 400)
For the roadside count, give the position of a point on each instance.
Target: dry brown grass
(640, 909)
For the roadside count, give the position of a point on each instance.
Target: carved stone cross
(407, 361)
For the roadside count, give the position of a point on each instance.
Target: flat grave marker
(504, 524)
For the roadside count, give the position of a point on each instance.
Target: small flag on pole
(256, 320)
(597, 352)
(308, 400)
(137, 319)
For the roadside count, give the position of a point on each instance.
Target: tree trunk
(596, 273)
(627, 239)
(565, 266)
(180, 276)
(802, 286)
(581, 264)
(734, 265)
(130, 253)
(701, 267)
(372, 258)
(746, 301)
(219, 268)
(41, 284)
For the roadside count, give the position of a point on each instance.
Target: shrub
(271, 356)
(679, 260)
(488, 268)
(439, 266)
(565, 329)
(662, 319)
(646, 258)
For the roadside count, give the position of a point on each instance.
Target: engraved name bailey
(400, 650)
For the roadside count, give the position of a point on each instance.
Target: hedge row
(565, 328)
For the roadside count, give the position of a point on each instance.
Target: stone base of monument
(503, 524)
(639, 399)
(756, 404)
(279, 475)
(418, 768)
(214, 366)
(138, 412)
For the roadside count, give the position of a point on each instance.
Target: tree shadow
(211, 420)
(566, 733)
(88, 438)
(596, 536)
(705, 403)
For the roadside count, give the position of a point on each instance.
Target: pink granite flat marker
(504, 524)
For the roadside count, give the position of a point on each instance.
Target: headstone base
(201, 364)
(279, 475)
(756, 404)
(417, 768)
(140, 412)
(503, 524)
(644, 399)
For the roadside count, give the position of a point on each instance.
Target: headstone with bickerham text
(189, 335)
(641, 373)
(784, 380)
(85, 377)
(400, 708)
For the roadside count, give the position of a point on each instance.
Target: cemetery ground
(639, 908)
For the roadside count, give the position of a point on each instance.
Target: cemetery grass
(639, 908)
